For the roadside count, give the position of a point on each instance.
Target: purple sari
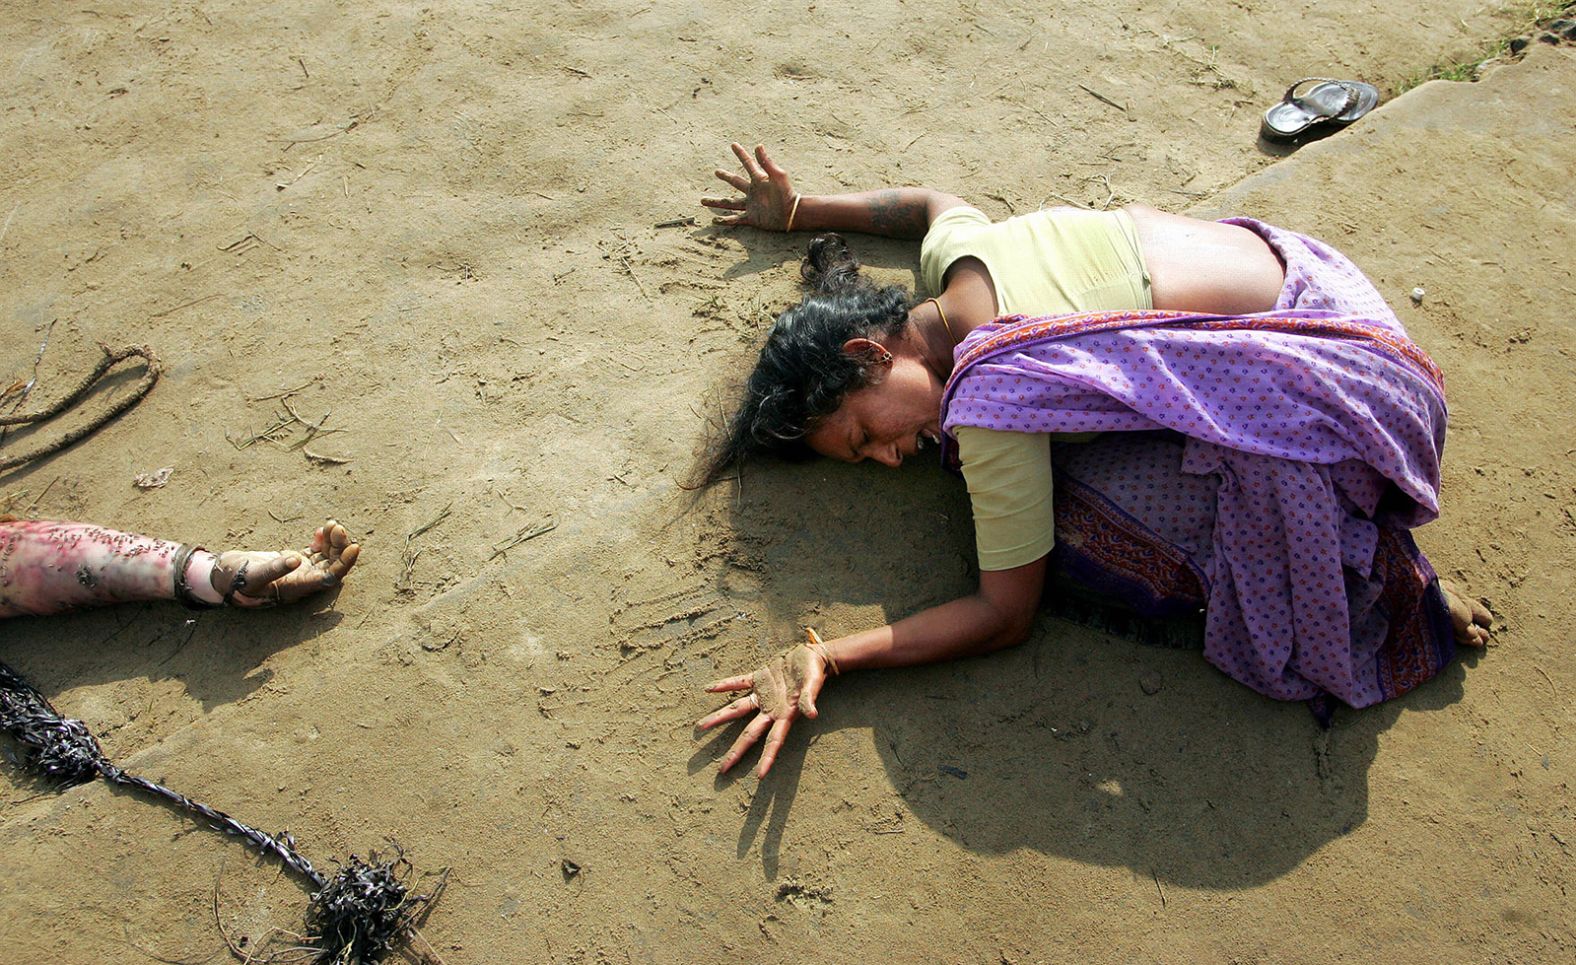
(1263, 469)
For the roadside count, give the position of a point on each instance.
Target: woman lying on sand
(1238, 425)
(50, 567)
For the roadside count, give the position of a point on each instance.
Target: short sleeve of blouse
(946, 241)
(1009, 480)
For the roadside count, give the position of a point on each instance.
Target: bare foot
(1470, 618)
(253, 579)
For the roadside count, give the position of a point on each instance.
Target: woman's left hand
(768, 194)
(778, 693)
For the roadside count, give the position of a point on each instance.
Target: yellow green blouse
(1052, 262)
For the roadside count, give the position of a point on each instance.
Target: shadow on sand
(215, 654)
(1058, 745)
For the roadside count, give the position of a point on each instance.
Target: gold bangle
(793, 211)
(819, 646)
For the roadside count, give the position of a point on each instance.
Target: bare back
(1205, 266)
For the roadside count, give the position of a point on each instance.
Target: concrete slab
(1465, 191)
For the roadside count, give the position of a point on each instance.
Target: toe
(1480, 614)
(1470, 616)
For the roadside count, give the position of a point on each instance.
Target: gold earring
(886, 357)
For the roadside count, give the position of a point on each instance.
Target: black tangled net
(363, 912)
(57, 749)
(355, 918)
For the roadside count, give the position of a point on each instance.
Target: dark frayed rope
(358, 916)
(281, 846)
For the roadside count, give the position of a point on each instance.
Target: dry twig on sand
(525, 533)
(283, 423)
(1102, 98)
(194, 301)
(409, 553)
(287, 392)
(323, 460)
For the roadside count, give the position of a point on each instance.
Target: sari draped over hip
(1263, 469)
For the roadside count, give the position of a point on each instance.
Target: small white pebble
(1417, 295)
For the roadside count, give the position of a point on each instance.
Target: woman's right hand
(768, 193)
(778, 693)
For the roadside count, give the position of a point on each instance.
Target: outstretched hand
(779, 692)
(251, 579)
(768, 193)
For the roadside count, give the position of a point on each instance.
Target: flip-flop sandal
(1324, 108)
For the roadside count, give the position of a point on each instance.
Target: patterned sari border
(1018, 330)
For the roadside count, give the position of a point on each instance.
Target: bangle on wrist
(793, 210)
(818, 646)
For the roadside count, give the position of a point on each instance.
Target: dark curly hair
(803, 372)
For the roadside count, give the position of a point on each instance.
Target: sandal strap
(1347, 89)
(183, 590)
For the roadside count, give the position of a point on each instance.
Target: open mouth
(926, 438)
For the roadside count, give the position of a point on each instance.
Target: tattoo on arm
(898, 215)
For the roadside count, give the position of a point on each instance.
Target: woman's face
(887, 421)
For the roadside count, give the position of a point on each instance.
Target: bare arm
(1000, 615)
(771, 203)
(997, 616)
(49, 567)
(891, 212)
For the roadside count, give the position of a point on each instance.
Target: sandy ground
(434, 225)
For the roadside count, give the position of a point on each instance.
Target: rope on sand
(358, 916)
(112, 357)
